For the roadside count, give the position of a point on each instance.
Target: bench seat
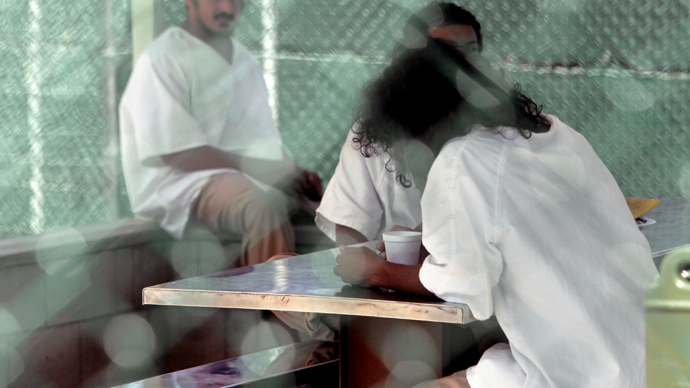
(310, 364)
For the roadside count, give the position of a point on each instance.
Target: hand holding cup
(402, 247)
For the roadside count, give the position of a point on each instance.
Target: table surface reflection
(307, 283)
(672, 227)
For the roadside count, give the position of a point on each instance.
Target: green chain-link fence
(617, 71)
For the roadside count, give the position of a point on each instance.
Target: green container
(667, 307)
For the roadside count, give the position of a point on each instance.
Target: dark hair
(423, 95)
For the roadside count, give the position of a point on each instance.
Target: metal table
(301, 283)
(307, 283)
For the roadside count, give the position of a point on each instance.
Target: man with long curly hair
(521, 218)
(363, 199)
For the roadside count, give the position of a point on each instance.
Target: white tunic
(366, 197)
(537, 232)
(183, 94)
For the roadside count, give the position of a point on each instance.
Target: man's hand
(359, 266)
(363, 267)
(381, 247)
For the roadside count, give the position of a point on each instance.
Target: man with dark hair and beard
(198, 139)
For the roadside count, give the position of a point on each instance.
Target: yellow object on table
(639, 206)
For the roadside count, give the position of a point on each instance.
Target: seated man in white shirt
(363, 198)
(198, 140)
(522, 220)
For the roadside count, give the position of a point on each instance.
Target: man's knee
(263, 206)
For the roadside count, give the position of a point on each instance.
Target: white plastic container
(402, 247)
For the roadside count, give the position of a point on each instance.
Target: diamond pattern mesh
(617, 71)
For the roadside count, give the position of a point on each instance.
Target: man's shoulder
(172, 40)
(242, 53)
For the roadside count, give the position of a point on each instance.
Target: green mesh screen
(617, 71)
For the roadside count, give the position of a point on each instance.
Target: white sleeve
(458, 215)
(351, 198)
(156, 105)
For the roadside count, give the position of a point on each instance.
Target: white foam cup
(402, 247)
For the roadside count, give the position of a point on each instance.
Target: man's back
(537, 232)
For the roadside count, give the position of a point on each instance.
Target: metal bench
(308, 364)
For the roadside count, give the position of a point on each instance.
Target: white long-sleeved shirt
(537, 232)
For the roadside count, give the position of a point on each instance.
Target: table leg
(389, 352)
(464, 344)
(377, 352)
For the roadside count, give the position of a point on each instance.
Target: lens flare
(417, 347)
(409, 373)
(212, 256)
(59, 253)
(129, 341)
(8, 324)
(183, 257)
(262, 336)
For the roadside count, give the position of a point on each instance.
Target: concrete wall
(71, 313)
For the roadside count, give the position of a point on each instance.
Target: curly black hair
(429, 94)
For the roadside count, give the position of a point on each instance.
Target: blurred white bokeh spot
(59, 253)
(183, 257)
(412, 38)
(262, 336)
(416, 346)
(415, 158)
(433, 15)
(129, 341)
(8, 324)
(412, 372)
(212, 256)
(266, 148)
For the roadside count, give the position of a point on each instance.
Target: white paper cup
(402, 247)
